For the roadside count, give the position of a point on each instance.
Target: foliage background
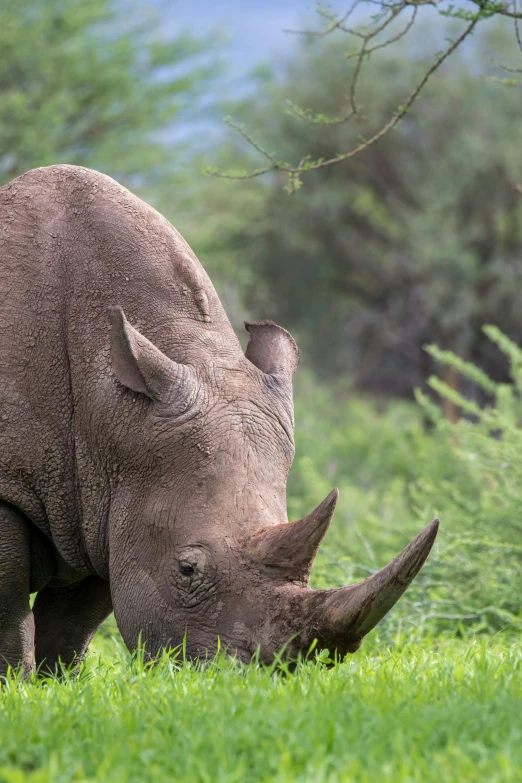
(386, 269)
(416, 241)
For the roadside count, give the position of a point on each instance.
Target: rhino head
(200, 545)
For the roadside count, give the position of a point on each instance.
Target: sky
(254, 27)
(251, 31)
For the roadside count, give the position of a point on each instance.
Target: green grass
(413, 706)
(446, 711)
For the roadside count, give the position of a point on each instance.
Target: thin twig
(336, 23)
(503, 82)
(372, 33)
(396, 38)
(307, 116)
(509, 69)
(501, 10)
(517, 29)
(239, 129)
(363, 51)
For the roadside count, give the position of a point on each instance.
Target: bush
(478, 490)
(397, 468)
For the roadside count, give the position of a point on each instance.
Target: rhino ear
(271, 348)
(142, 367)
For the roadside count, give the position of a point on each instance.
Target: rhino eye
(186, 569)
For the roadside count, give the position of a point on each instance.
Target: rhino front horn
(340, 618)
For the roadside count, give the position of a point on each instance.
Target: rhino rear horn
(290, 548)
(272, 349)
(142, 367)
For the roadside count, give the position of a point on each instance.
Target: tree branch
(388, 13)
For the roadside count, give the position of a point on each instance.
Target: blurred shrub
(397, 468)
(478, 489)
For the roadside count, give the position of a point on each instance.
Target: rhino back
(72, 243)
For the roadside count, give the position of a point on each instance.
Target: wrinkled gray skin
(143, 456)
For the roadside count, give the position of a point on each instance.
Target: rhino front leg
(66, 619)
(16, 618)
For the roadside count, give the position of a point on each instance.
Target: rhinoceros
(143, 454)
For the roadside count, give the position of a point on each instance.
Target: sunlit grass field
(443, 710)
(415, 705)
